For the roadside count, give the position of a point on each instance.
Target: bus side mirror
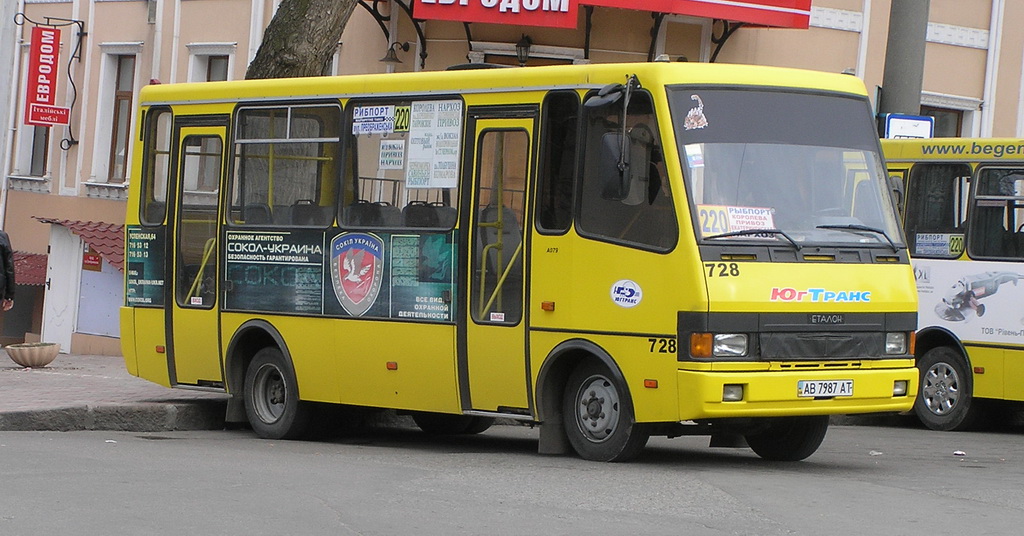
(614, 181)
(627, 177)
(896, 186)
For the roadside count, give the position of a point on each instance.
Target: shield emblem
(357, 268)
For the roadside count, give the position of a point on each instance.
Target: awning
(563, 13)
(29, 268)
(105, 238)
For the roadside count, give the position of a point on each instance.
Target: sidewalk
(94, 392)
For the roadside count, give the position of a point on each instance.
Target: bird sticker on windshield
(695, 117)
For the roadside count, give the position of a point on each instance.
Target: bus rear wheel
(598, 416)
(944, 401)
(789, 439)
(272, 402)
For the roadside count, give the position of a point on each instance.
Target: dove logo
(626, 293)
(357, 268)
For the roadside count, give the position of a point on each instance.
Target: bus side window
(559, 125)
(286, 167)
(936, 205)
(156, 166)
(997, 229)
(392, 182)
(634, 207)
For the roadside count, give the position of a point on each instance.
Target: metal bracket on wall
(76, 54)
(728, 28)
(381, 19)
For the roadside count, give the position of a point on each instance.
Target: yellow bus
(604, 251)
(964, 221)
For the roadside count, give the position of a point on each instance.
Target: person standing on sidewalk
(6, 272)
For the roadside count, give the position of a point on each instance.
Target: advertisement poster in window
(275, 271)
(144, 266)
(435, 139)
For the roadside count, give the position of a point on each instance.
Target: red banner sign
(551, 13)
(41, 94)
(780, 13)
(562, 13)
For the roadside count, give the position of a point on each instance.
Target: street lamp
(523, 49)
(392, 57)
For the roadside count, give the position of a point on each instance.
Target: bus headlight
(896, 342)
(729, 345)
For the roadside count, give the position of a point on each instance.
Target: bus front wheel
(789, 439)
(272, 402)
(598, 416)
(944, 400)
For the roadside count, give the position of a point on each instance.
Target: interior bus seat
(391, 216)
(366, 214)
(305, 212)
(447, 216)
(435, 215)
(421, 214)
(256, 213)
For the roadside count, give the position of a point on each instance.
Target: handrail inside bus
(207, 251)
(501, 279)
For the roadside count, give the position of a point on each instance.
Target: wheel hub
(940, 390)
(598, 408)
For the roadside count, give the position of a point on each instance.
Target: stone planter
(33, 354)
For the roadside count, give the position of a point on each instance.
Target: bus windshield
(784, 167)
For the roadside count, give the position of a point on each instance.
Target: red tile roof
(29, 268)
(106, 238)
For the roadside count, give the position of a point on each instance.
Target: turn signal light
(700, 344)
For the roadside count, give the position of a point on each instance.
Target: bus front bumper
(779, 393)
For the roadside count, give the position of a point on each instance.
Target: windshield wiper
(864, 228)
(748, 232)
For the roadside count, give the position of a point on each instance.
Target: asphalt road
(863, 480)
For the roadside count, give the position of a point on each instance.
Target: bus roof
(959, 149)
(497, 80)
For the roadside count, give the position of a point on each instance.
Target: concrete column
(904, 57)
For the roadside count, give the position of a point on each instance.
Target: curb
(140, 417)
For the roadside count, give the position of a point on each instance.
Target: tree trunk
(301, 38)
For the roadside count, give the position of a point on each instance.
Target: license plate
(824, 388)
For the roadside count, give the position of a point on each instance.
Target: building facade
(64, 186)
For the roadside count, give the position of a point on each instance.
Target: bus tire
(944, 400)
(272, 402)
(598, 416)
(447, 424)
(789, 439)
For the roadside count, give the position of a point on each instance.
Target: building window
(40, 146)
(948, 123)
(216, 68)
(124, 83)
(210, 62)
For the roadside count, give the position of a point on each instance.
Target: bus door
(192, 315)
(492, 363)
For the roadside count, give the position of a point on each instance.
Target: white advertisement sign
(978, 302)
(435, 139)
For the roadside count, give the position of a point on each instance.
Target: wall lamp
(523, 49)
(392, 56)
